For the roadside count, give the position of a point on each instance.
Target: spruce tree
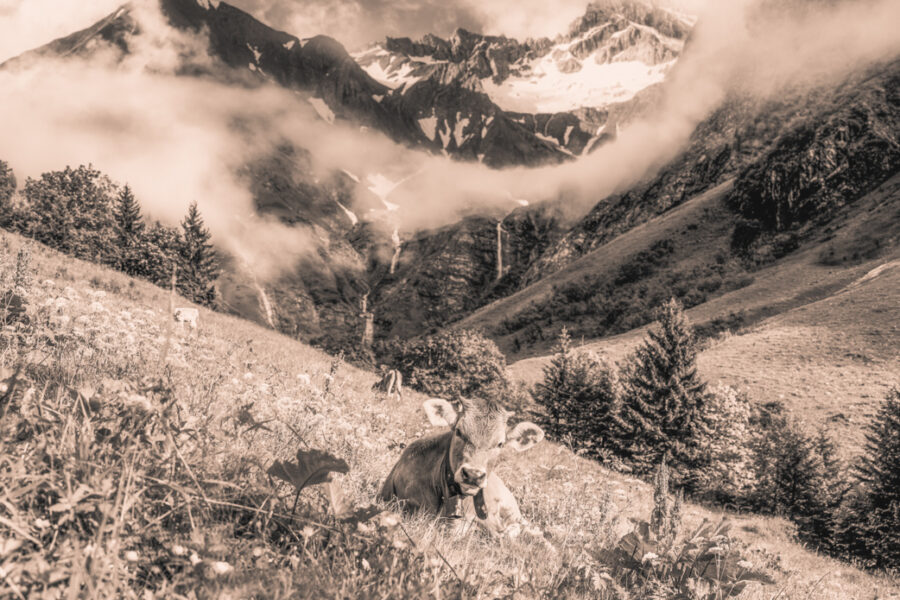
(581, 399)
(197, 265)
(7, 189)
(879, 472)
(129, 233)
(664, 397)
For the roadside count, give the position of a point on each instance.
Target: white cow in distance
(187, 316)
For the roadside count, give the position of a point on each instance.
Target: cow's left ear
(440, 412)
(524, 435)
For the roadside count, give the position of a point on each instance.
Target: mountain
(760, 178)
(570, 91)
(760, 181)
(448, 111)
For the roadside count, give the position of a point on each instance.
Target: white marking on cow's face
(479, 433)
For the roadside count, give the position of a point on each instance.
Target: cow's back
(416, 478)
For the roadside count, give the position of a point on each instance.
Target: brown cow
(450, 474)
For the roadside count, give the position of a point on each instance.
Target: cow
(191, 316)
(390, 383)
(450, 473)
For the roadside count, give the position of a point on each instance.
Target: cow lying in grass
(449, 473)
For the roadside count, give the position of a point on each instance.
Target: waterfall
(264, 303)
(396, 239)
(499, 250)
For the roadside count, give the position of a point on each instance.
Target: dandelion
(307, 532)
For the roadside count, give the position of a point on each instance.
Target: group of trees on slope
(82, 213)
(723, 448)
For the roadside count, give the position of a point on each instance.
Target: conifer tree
(198, 268)
(879, 472)
(581, 398)
(7, 189)
(129, 232)
(664, 397)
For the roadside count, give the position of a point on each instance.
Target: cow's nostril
(473, 476)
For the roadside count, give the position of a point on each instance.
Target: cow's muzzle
(471, 479)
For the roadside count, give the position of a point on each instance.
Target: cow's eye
(500, 445)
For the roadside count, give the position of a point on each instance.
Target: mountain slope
(231, 365)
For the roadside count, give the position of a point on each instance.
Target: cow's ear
(440, 412)
(524, 435)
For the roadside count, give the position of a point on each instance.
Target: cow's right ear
(440, 412)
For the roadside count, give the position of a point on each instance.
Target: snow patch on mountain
(548, 89)
(323, 110)
(429, 127)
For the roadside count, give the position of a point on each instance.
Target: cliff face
(827, 161)
(795, 157)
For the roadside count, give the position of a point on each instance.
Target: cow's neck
(449, 486)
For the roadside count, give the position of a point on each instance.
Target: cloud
(174, 139)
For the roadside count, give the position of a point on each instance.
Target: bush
(581, 401)
(726, 441)
(452, 364)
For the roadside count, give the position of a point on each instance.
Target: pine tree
(129, 233)
(7, 189)
(879, 472)
(197, 268)
(158, 252)
(581, 398)
(664, 397)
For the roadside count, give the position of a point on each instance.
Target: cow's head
(479, 433)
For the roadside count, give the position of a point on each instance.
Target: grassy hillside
(230, 364)
(817, 330)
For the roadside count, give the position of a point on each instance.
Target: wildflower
(179, 550)
(221, 568)
(717, 550)
(257, 552)
(41, 523)
(307, 532)
(96, 307)
(195, 560)
(131, 556)
(365, 565)
(649, 556)
(744, 564)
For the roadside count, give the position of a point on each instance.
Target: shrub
(663, 403)
(451, 364)
(580, 398)
(726, 441)
(71, 210)
(656, 561)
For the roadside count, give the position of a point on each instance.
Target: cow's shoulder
(430, 446)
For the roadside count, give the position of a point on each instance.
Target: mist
(174, 139)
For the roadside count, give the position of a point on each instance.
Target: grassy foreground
(204, 415)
